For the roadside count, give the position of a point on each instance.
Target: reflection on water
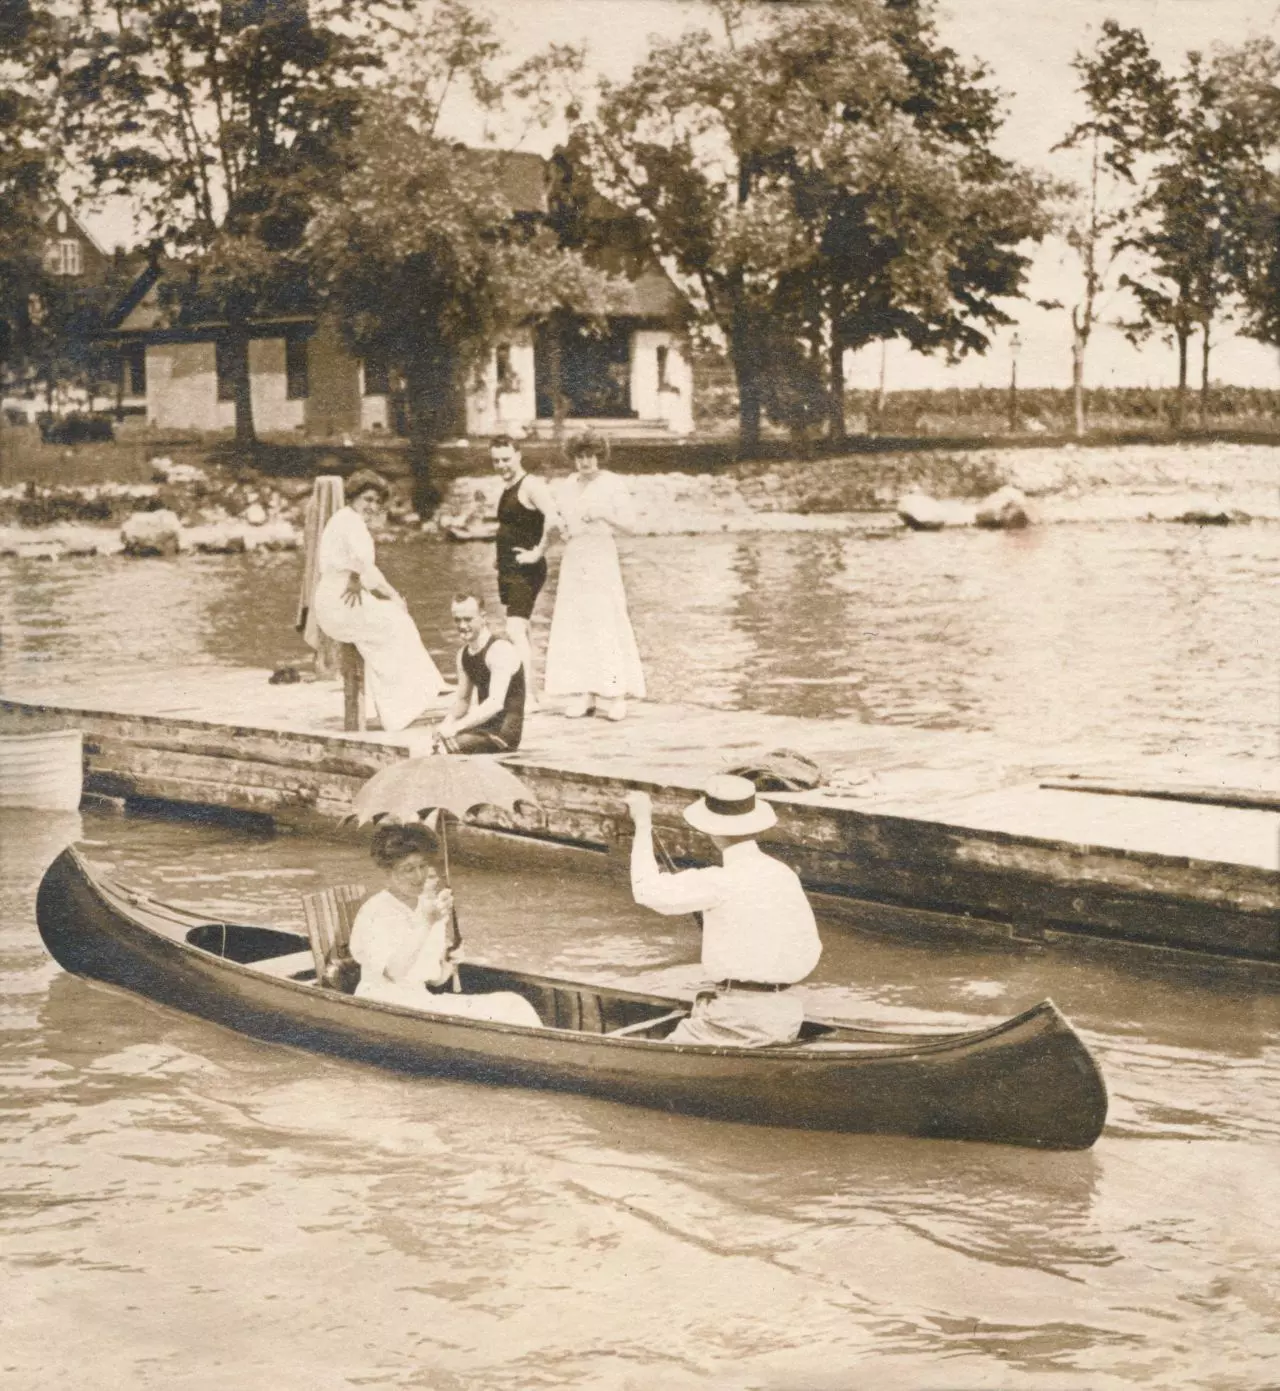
(186, 1207)
(1151, 637)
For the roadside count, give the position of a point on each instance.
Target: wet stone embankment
(214, 511)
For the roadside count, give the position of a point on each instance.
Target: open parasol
(441, 782)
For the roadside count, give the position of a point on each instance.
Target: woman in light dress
(354, 603)
(403, 937)
(591, 652)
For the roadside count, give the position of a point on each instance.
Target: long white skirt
(400, 677)
(497, 1007)
(592, 648)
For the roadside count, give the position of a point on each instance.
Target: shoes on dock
(579, 705)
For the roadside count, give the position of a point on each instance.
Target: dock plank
(939, 821)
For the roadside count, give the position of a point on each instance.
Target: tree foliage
(821, 173)
(223, 120)
(419, 247)
(26, 180)
(1197, 156)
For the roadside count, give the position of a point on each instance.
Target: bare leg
(518, 632)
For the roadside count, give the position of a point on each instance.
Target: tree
(821, 173)
(226, 119)
(1249, 78)
(26, 180)
(921, 238)
(1092, 217)
(419, 249)
(1194, 163)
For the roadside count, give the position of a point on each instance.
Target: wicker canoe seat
(330, 914)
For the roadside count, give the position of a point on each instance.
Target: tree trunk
(427, 384)
(1180, 401)
(1079, 342)
(837, 427)
(1205, 346)
(882, 386)
(241, 385)
(745, 351)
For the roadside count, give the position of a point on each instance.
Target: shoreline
(205, 512)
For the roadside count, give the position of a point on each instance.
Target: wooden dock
(918, 830)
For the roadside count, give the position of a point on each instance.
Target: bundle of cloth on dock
(781, 770)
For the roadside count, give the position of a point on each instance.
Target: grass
(24, 459)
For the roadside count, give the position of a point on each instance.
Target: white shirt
(599, 503)
(383, 934)
(347, 544)
(757, 923)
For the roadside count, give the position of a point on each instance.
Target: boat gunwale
(1044, 1013)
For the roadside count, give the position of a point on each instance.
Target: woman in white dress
(354, 603)
(591, 652)
(403, 937)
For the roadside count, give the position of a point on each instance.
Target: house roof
(62, 206)
(524, 180)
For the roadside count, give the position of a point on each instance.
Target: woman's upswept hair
(394, 841)
(364, 480)
(590, 444)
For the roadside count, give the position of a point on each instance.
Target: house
(81, 280)
(634, 379)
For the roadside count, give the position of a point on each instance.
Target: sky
(1028, 44)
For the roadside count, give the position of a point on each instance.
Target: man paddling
(759, 936)
(487, 715)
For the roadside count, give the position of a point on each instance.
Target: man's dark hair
(394, 841)
(504, 442)
(464, 595)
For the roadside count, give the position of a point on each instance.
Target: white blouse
(346, 544)
(600, 503)
(386, 928)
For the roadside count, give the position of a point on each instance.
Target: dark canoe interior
(580, 1008)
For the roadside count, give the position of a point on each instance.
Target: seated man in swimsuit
(488, 711)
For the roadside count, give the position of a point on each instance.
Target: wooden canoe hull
(1029, 1081)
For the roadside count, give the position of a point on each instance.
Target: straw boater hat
(730, 808)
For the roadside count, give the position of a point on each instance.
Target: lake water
(185, 1208)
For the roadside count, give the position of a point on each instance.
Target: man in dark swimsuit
(488, 711)
(526, 517)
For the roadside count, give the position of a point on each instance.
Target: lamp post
(1015, 345)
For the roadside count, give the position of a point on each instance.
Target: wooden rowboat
(1028, 1081)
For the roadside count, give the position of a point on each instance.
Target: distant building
(635, 379)
(71, 250)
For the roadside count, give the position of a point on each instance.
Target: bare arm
(503, 665)
(535, 492)
(461, 699)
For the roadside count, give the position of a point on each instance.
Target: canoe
(1028, 1081)
(41, 770)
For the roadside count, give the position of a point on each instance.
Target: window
(508, 382)
(377, 377)
(64, 257)
(664, 367)
(295, 369)
(225, 366)
(134, 363)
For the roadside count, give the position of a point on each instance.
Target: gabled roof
(62, 206)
